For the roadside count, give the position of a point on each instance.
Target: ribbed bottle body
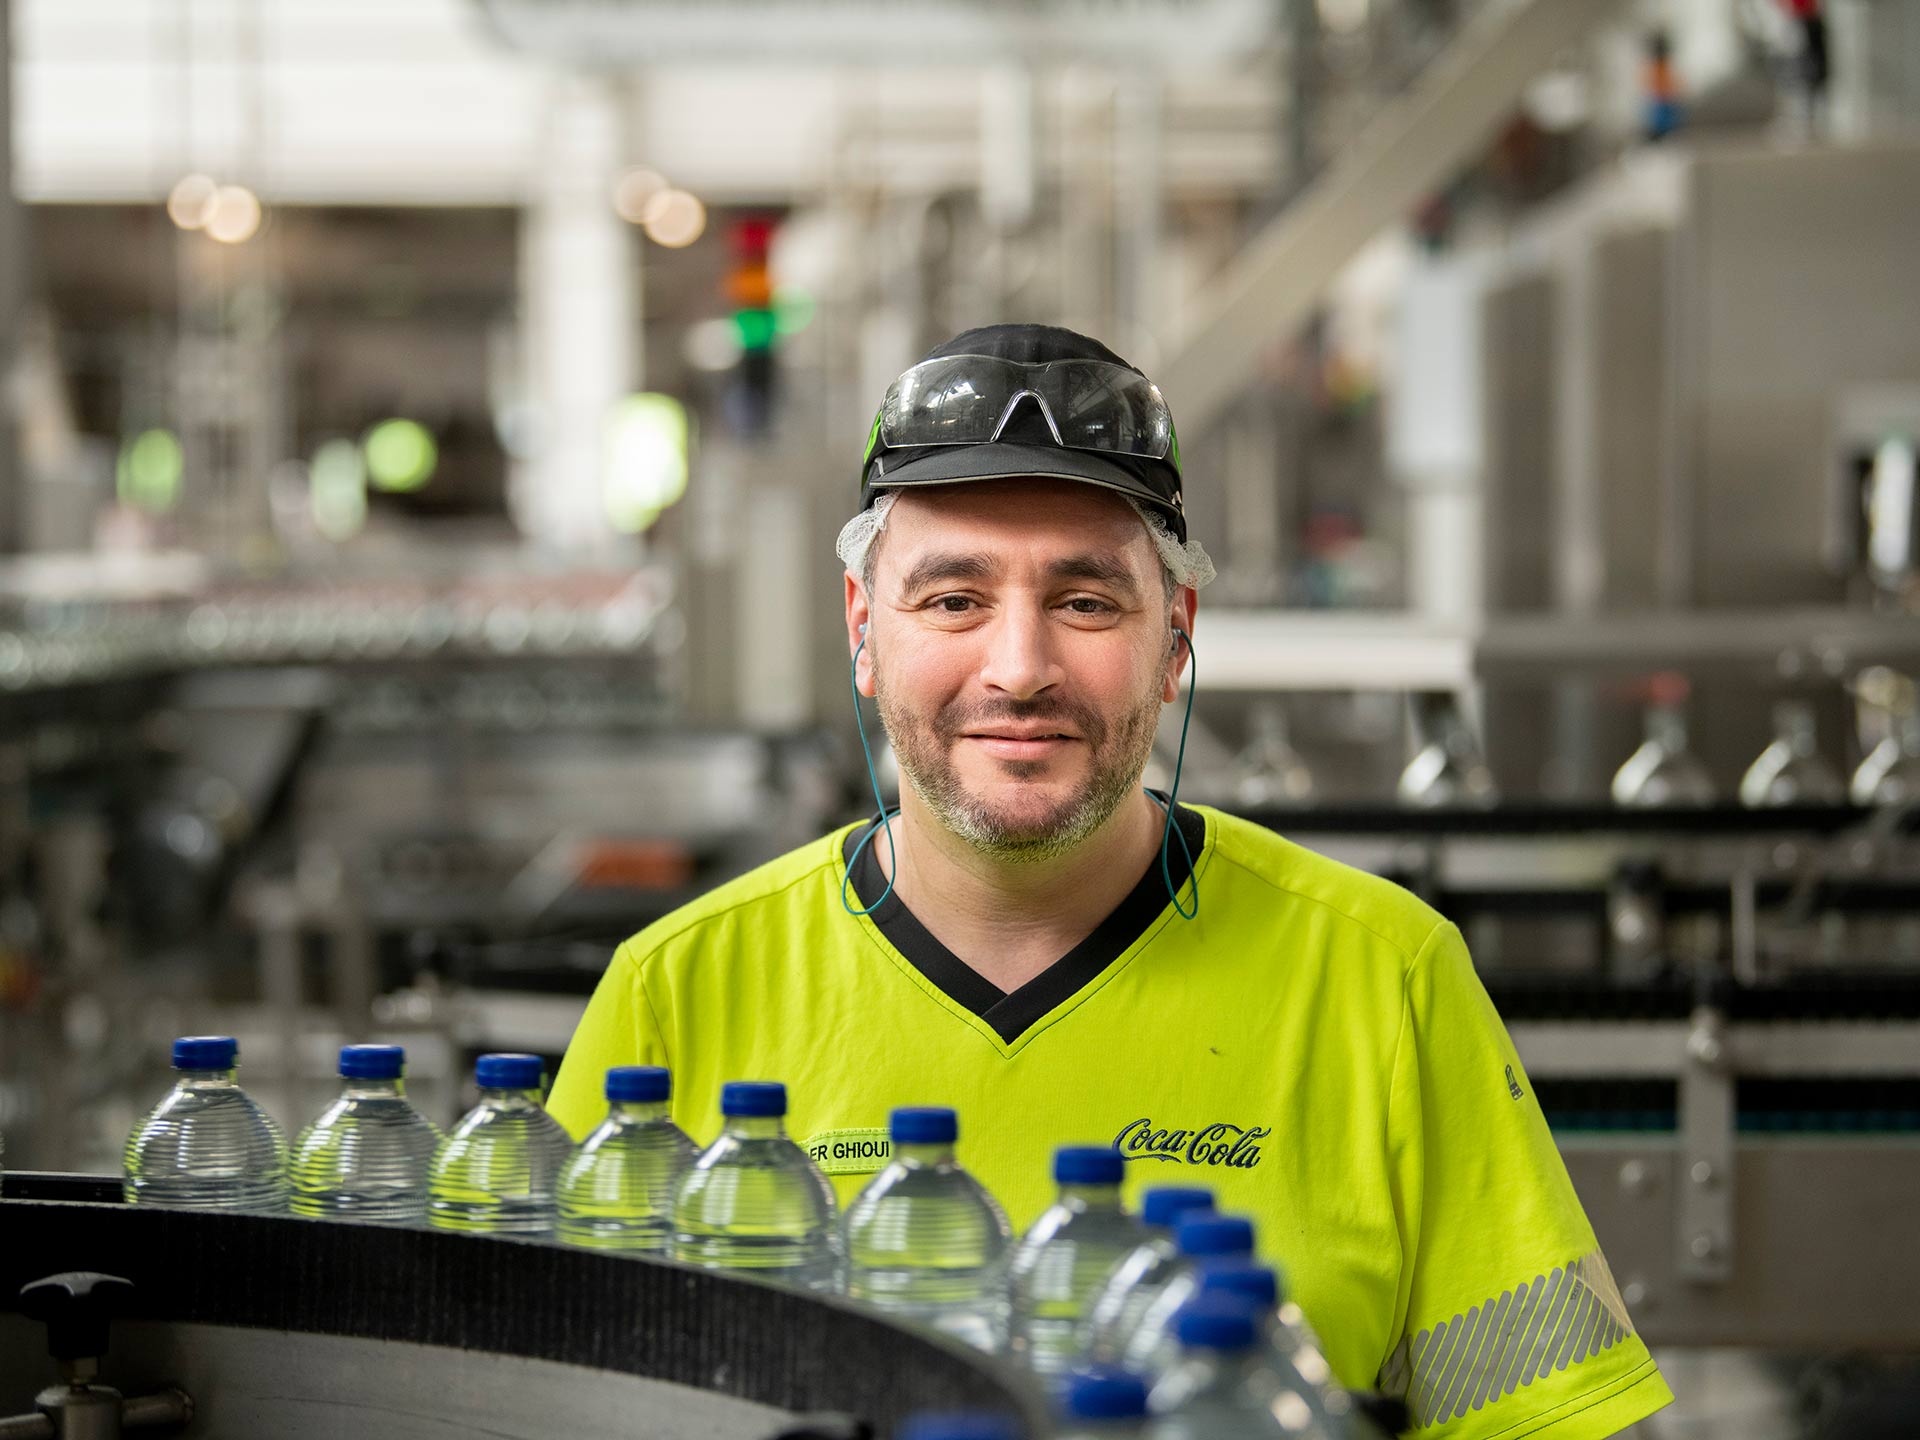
(754, 1202)
(207, 1146)
(367, 1158)
(496, 1173)
(616, 1192)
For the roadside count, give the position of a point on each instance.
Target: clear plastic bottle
(1271, 770)
(1447, 768)
(1123, 1297)
(924, 1241)
(1202, 1240)
(1791, 770)
(616, 1191)
(1103, 1403)
(1664, 774)
(1295, 1348)
(207, 1145)
(495, 1174)
(366, 1158)
(754, 1202)
(1890, 775)
(1226, 1385)
(1068, 1252)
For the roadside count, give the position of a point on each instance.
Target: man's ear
(1186, 601)
(859, 617)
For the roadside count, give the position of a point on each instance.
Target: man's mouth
(1023, 743)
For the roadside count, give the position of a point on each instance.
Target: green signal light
(757, 328)
(149, 471)
(401, 455)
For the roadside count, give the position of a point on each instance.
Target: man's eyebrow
(1107, 569)
(947, 565)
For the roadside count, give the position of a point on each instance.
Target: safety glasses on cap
(969, 400)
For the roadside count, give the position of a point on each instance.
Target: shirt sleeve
(618, 1029)
(1508, 1322)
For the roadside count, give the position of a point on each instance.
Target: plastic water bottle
(1294, 1348)
(616, 1192)
(754, 1202)
(207, 1145)
(366, 1158)
(1225, 1386)
(1201, 1240)
(1126, 1293)
(1063, 1258)
(1102, 1403)
(495, 1174)
(924, 1240)
(957, 1425)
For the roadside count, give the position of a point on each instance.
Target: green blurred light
(792, 310)
(646, 450)
(401, 455)
(337, 490)
(756, 328)
(149, 471)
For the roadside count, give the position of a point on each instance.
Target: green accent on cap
(1173, 439)
(873, 438)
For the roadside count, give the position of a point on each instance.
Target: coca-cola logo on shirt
(1235, 1146)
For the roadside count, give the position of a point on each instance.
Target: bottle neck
(1667, 727)
(757, 1127)
(203, 1079)
(940, 1153)
(639, 1112)
(508, 1099)
(360, 1087)
(1091, 1197)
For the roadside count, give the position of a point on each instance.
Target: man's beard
(924, 747)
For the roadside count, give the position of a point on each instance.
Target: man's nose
(1020, 661)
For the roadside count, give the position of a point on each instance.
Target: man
(1026, 940)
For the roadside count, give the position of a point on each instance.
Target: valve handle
(77, 1308)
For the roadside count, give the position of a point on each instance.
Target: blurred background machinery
(425, 428)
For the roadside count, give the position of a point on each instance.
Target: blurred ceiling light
(190, 202)
(712, 345)
(674, 218)
(233, 217)
(1558, 101)
(646, 449)
(148, 475)
(633, 191)
(1344, 17)
(337, 490)
(401, 455)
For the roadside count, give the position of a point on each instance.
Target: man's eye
(954, 604)
(1086, 605)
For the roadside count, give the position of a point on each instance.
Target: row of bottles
(923, 1242)
(1449, 770)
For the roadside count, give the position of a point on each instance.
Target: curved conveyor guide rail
(712, 1332)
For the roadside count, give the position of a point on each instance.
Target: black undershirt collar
(1011, 1013)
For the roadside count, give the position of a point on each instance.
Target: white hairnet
(1185, 560)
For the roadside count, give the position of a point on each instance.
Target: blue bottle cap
(1165, 1204)
(644, 1084)
(1217, 1322)
(1236, 1277)
(1087, 1165)
(1104, 1393)
(205, 1052)
(1203, 1235)
(924, 1125)
(957, 1425)
(747, 1099)
(372, 1062)
(509, 1072)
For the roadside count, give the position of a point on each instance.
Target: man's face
(1021, 648)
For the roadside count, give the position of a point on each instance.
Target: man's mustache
(961, 718)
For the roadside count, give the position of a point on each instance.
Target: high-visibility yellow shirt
(1315, 1046)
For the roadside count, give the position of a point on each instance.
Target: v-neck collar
(1010, 1013)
